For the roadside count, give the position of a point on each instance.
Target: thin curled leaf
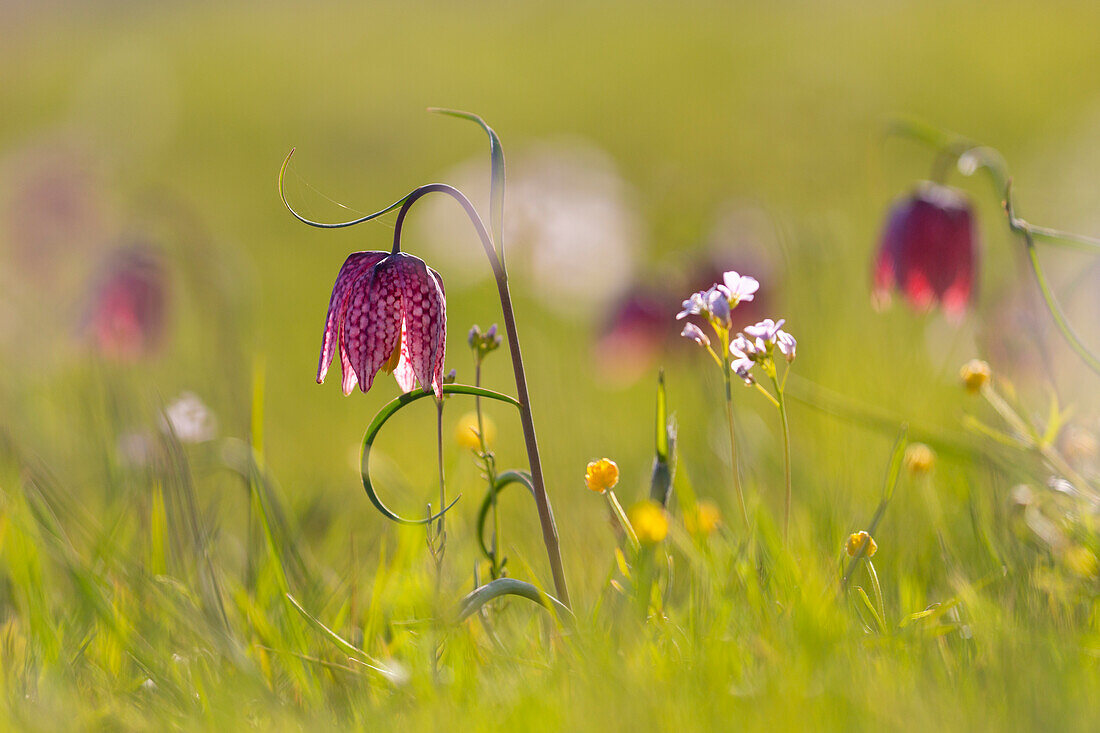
(510, 586)
(323, 225)
(504, 479)
(389, 411)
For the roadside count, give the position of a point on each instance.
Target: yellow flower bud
(919, 459)
(704, 519)
(466, 431)
(601, 475)
(650, 522)
(856, 541)
(974, 374)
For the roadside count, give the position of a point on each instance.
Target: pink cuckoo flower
(387, 311)
(928, 250)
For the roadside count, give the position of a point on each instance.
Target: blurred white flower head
(570, 224)
(189, 419)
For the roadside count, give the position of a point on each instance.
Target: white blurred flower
(570, 224)
(189, 419)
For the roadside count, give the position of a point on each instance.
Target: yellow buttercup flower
(650, 522)
(856, 541)
(601, 475)
(704, 519)
(919, 459)
(466, 431)
(974, 374)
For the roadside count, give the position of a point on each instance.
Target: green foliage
(246, 582)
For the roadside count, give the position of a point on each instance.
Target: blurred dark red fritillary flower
(389, 312)
(928, 250)
(634, 334)
(125, 315)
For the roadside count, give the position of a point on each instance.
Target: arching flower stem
(542, 500)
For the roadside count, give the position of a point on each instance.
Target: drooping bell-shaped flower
(125, 315)
(928, 250)
(389, 312)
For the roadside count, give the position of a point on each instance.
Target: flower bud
(919, 459)
(601, 475)
(975, 374)
(703, 520)
(856, 541)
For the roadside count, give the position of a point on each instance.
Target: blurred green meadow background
(648, 144)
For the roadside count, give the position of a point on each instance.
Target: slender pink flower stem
(542, 499)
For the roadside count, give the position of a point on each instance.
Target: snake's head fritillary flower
(387, 312)
(125, 316)
(928, 250)
(601, 475)
(633, 334)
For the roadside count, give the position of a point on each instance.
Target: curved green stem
(389, 411)
(490, 500)
(510, 586)
(624, 521)
(1024, 228)
(542, 499)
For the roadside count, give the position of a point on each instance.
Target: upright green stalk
(726, 373)
(782, 405)
(490, 471)
(439, 453)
